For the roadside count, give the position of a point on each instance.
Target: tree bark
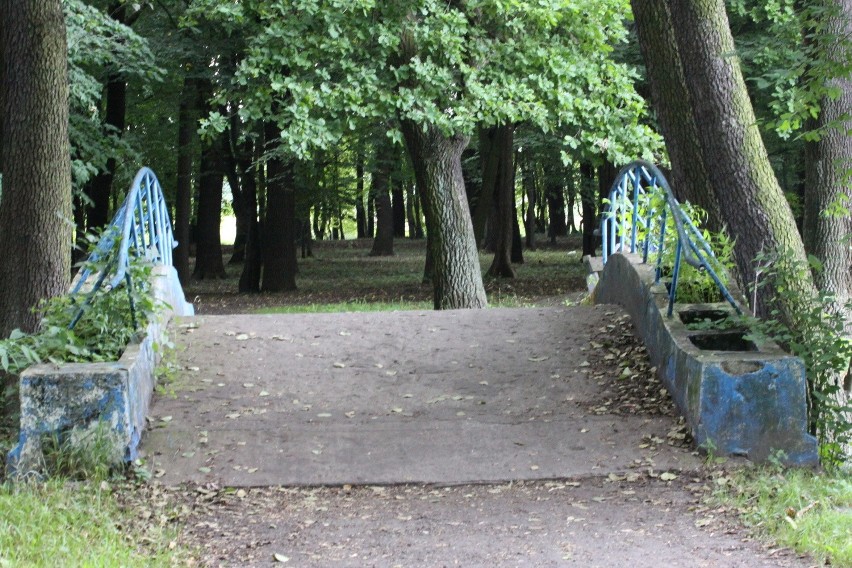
(485, 198)
(504, 198)
(208, 255)
(555, 195)
(398, 209)
(748, 194)
(530, 189)
(183, 197)
(360, 212)
(457, 278)
(279, 228)
(35, 210)
(383, 242)
(827, 166)
(673, 105)
(589, 200)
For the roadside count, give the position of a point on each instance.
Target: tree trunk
(748, 194)
(504, 197)
(100, 188)
(485, 199)
(371, 215)
(279, 229)
(588, 196)
(827, 165)
(360, 212)
(457, 278)
(183, 192)
(35, 210)
(530, 189)
(383, 243)
(208, 255)
(517, 256)
(252, 262)
(398, 210)
(673, 105)
(555, 195)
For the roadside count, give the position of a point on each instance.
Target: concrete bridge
(464, 396)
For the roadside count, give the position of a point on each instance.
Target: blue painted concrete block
(76, 400)
(739, 399)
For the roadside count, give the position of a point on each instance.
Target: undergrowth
(808, 511)
(61, 523)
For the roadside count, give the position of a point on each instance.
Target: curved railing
(144, 228)
(631, 214)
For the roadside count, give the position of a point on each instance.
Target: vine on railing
(634, 220)
(143, 229)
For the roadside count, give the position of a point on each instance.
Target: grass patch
(809, 512)
(354, 306)
(79, 524)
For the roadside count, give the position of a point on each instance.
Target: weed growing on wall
(101, 334)
(819, 337)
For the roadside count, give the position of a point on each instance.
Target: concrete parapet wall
(77, 400)
(742, 399)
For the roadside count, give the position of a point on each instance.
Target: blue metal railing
(144, 229)
(631, 213)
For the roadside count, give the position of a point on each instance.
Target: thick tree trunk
(183, 197)
(35, 210)
(750, 200)
(279, 228)
(827, 165)
(673, 105)
(504, 198)
(208, 255)
(457, 278)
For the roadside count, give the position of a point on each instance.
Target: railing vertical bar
(675, 275)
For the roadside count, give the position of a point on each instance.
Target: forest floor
(634, 514)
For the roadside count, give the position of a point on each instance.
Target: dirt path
(523, 437)
(589, 522)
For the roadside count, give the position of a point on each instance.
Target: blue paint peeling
(749, 404)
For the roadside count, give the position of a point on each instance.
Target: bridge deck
(374, 398)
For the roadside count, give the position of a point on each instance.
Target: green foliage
(818, 336)
(102, 333)
(99, 47)
(796, 75)
(323, 68)
(695, 286)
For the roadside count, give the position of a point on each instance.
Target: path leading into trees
(498, 438)
(398, 397)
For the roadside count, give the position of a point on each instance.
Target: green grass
(56, 524)
(354, 306)
(809, 512)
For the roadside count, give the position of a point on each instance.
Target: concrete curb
(739, 398)
(77, 400)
